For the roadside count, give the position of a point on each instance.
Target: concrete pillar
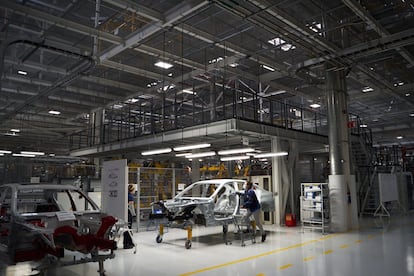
(281, 180)
(96, 120)
(195, 168)
(339, 179)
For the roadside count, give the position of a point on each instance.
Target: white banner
(114, 188)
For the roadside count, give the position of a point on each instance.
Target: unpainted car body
(213, 202)
(43, 220)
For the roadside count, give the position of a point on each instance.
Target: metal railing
(135, 120)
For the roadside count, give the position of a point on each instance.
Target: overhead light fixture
(190, 147)
(407, 94)
(132, 100)
(5, 151)
(164, 65)
(54, 112)
(271, 154)
(363, 125)
(412, 114)
(367, 89)
(268, 67)
(170, 74)
(23, 155)
(214, 60)
(182, 154)
(201, 154)
(33, 152)
(233, 65)
(52, 154)
(158, 151)
(399, 137)
(230, 158)
(187, 91)
(15, 130)
(1, 154)
(315, 105)
(235, 151)
(117, 106)
(21, 72)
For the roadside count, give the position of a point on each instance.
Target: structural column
(281, 180)
(96, 120)
(339, 178)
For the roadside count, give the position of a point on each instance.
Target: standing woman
(251, 203)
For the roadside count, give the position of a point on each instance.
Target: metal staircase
(362, 154)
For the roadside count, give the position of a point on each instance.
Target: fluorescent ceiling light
(23, 155)
(399, 137)
(363, 125)
(190, 147)
(21, 72)
(11, 134)
(132, 100)
(117, 106)
(271, 154)
(1, 154)
(230, 158)
(166, 87)
(315, 105)
(5, 151)
(214, 60)
(182, 154)
(164, 65)
(158, 151)
(407, 94)
(15, 130)
(268, 67)
(54, 112)
(235, 151)
(52, 154)
(367, 89)
(170, 74)
(233, 65)
(32, 152)
(412, 114)
(188, 91)
(201, 154)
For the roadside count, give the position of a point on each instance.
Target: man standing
(251, 203)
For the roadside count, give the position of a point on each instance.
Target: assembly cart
(245, 228)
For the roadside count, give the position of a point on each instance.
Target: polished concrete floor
(379, 247)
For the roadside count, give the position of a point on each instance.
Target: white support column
(343, 215)
(280, 180)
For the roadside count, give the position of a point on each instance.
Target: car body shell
(213, 202)
(41, 220)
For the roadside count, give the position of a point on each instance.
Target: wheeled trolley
(244, 227)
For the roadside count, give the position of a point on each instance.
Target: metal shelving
(314, 206)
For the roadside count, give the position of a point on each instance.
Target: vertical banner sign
(114, 188)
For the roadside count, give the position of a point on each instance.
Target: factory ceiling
(81, 57)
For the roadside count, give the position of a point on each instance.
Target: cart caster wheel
(188, 244)
(158, 239)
